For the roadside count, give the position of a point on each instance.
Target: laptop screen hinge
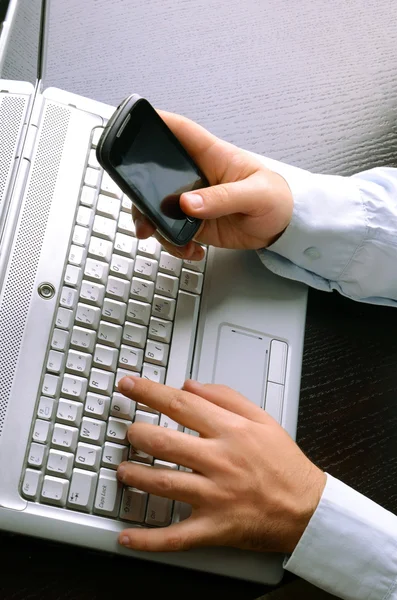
(29, 142)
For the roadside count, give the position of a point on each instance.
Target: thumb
(246, 196)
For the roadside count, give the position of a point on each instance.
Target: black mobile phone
(149, 164)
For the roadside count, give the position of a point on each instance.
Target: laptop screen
(21, 53)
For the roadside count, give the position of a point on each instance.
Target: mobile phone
(149, 164)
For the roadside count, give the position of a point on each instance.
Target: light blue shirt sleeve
(343, 236)
(343, 233)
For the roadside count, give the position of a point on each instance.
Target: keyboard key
(150, 247)
(196, 265)
(138, 312)
(121, 266)
(151, 419)
(156, 353)
(182, 339)
(96, 270)
(160, 330)
(122, 407)
(117, 430)
(88, 196)
(277, 361)
(59, 339)
(104, 228)
(64, 318)
(73, 275)
(153, 372)
(159, 509)
(120, 373)
(65, 437)
(68, 297)
(41, 431)
(105, 357)
(80, 235)
(170, 264)
(93, 431)
(169, 423)
(118, 289)
(97, 406)
(84, 216)
(69, 412)
(50, 385)
(77, 255)
(60, 463)
(191, 281)
(126, 204)
(145, 267)
(131, 358)
(92, 160)
(75, 387)
(92, 293)
(135, 335)
(54, 490)
(126, 224)
(36, 455)
(78, 362)
(101, 381)
(109, 334)
(82, 490)
(46, 408)
(109, 187)
(133, 505)
(88, 456)
(108, 207)
(88, 315)
(83, 338)
(125, 245)
(167, 285)
(91, 177)
(114, 311)
(96, 134)
(107, 499)
(274, 400)
(141, 289)
(101, 249)
(31, 482)
(55, 361)
(163, 307)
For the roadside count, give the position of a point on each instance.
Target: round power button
(46, 290)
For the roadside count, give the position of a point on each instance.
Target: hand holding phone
(151, 167)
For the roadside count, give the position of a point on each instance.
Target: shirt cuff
(349, 547)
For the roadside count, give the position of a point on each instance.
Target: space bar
(182, 345)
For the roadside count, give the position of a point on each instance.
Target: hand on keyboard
(249, 484)
(246, 206)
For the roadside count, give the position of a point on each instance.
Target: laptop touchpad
(240, 361)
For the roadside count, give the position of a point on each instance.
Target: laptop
(78, 312)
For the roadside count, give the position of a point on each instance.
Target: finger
(192, 250)
(246, 196)
(172, 446)
(224, 396)
(144, 228)
(192, 533)
(167, 483)
(184, 408)
(196, 140)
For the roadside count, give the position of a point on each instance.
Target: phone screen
(157, 169)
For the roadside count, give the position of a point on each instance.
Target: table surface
(303, 82)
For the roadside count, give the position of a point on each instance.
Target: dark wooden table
(347, 425)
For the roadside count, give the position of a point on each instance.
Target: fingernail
(125, 541)
(126, 385)
(194, 200)
(121, 472)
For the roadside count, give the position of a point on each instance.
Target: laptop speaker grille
(27, 247)
(11, 114)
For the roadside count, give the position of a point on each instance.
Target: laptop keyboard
(126, 307)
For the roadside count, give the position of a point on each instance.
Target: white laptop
(75, 317)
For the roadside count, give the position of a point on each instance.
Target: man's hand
(246, 206)
(250, 485)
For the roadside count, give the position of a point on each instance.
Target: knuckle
(159, 443)
(165, 481)
(176, 543)
(177, 403)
